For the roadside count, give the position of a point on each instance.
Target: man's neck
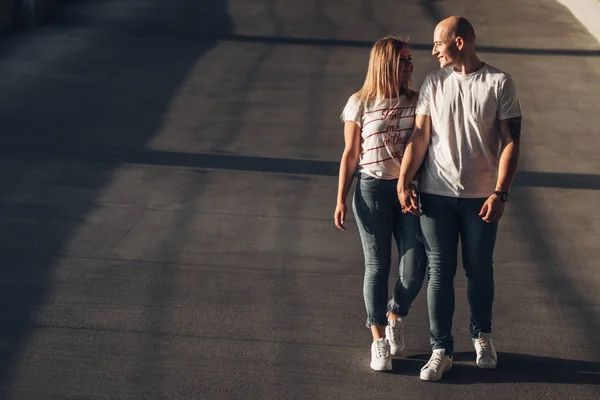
(469, 65)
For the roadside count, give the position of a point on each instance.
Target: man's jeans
(444, 220)
(379, 217)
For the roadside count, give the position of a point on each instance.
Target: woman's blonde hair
(383, 75)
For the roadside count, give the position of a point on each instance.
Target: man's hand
(408, 199)
(339, 216)
(492, 209)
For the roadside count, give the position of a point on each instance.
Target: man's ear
(460, 43)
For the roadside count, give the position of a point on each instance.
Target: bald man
(467, 137)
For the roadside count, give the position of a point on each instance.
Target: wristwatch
(503, 195)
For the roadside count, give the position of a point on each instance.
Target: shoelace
(435, 361)
(396, 333)
(382, 350)
(485, 347)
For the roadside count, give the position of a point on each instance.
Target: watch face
(503, 195)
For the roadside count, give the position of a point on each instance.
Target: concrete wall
(26, 13)
(44, 8)
(6, 15)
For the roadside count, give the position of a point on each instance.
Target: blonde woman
(378, 120)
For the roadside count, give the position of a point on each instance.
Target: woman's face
(408, 65)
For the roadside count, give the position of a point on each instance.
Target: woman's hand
(408, 197)
(340, 216)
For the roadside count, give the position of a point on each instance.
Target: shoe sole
(384, 369)
(435, 380)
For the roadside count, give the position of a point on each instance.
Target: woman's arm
(348, 165)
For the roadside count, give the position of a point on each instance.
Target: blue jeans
(379, 217)
(446, 219)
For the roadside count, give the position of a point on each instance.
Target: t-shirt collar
(472, 74)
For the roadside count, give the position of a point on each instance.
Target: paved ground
(168, 181)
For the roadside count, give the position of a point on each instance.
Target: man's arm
(413, 157)
(415, 151)
(510, 131)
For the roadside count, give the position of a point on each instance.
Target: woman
(378, 120)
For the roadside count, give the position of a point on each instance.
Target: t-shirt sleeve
(508, 100)
(423, 105)
(353, 111)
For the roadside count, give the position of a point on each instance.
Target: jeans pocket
(365, 177)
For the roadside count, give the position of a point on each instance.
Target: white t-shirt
(385, 129)
(462, 159)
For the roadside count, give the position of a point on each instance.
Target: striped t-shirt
(385, 129)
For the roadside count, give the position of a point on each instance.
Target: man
(467, 134)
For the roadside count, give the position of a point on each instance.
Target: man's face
(444, 48)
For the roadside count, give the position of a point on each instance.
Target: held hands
(492, 209)
(339, 216)
(408, 198)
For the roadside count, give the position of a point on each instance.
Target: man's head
(453, 41)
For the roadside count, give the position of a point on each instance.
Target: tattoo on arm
(514, 127)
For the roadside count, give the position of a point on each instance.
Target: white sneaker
(436, 366)
(395, 334)
(381, 359)
(486, 354)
